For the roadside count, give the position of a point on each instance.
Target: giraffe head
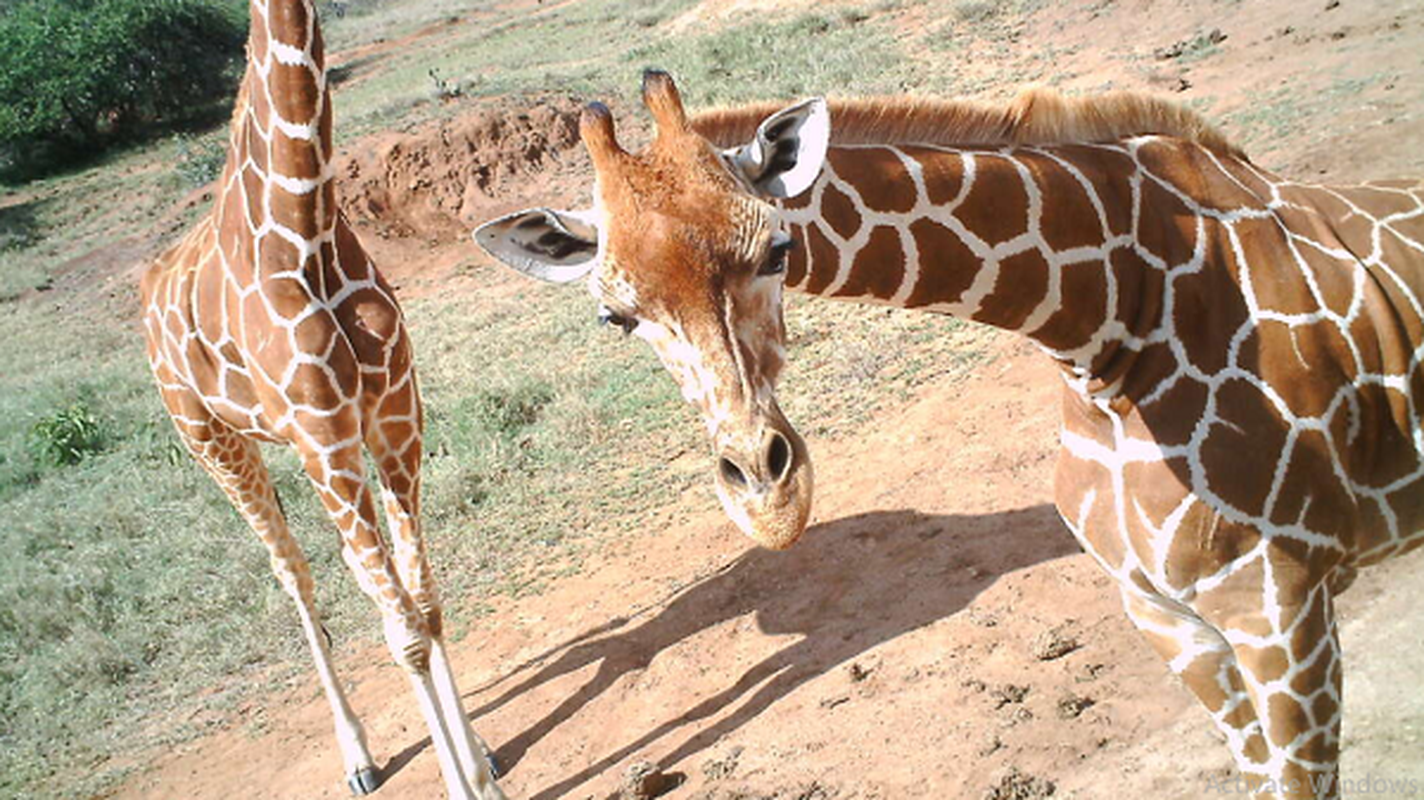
(685, 249)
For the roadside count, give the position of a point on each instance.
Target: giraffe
(268, 322)
(1240, 353)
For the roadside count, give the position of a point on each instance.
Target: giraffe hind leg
(236, 465)
(1206, 663)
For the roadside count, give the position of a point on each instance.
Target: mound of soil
(437, 182)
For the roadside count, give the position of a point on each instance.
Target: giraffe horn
(663, 101)
(596, 130)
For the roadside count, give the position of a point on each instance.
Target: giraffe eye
(607, 317)
(776, 257)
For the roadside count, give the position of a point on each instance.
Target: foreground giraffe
(268, 322)
(1240, 353)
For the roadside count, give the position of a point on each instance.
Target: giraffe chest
(1208, 477)
(262, 354)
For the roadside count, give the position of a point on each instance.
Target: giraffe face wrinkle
(727, 368)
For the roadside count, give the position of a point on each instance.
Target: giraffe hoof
(364, 782)
(495, 771)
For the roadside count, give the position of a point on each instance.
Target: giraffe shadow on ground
(848, 586)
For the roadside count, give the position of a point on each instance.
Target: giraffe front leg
(1290, 660)
(394, 444)
(339, 477)
(1274, 692)
(1205, 662)
(475, 755)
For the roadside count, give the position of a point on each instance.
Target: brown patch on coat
(996, 209)
(878, 176)
(879, 266)
(939, 245)
(1021, 286)
(839, 212)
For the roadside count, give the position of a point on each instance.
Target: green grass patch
(575, 48)
(598, 49)
(976, 12)
(848, 362)
(18, 228)
(970, 21)
(53, 221)
(1270, 118)
(809, 54)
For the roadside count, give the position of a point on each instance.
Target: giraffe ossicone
(268, 322)
(1241, 354)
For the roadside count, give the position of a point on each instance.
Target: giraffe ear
(554, 246)
(789, 150)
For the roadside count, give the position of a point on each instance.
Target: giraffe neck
(279, 197)
(1040, 241)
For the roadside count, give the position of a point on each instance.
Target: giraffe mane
(1037, 116)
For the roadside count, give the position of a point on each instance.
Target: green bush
(67, 436)
(200, 160)
(78, 75)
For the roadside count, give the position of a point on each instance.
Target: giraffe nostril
(778, 458)
(732, 473)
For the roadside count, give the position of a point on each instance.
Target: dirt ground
(937, 633)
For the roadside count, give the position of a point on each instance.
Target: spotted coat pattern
(1241, 357)
(268, 322)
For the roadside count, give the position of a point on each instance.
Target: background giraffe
(268, 322)
(1240, 353)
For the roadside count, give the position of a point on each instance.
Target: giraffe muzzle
(766, 488)
(773, 465)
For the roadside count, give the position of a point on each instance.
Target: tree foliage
(78, 75)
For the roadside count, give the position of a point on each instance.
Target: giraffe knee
(296, 579)
(409, 643)
(427, 604)
(416, 657)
